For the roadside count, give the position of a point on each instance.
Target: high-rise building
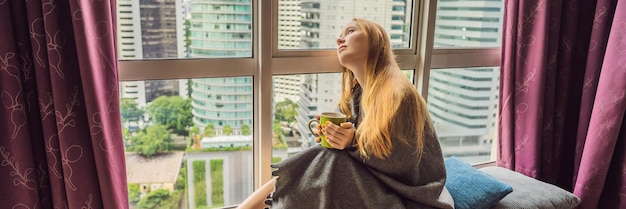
(463, 102)
(129, 47)
(161, 29)
(220, 28)
(129, 30)
(288, 86)
(323, 20)
(222, 102)
(289, 19)
(151, 29)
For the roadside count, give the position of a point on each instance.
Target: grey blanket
(326, 178)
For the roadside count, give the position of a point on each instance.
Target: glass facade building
(221, 28)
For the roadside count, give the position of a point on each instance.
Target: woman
(392, 159)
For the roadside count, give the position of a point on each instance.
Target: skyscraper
(130, 46)
(323, 20)
(288, 86)
(150, 29)
(221, 28)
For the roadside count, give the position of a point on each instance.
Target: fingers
(332, 129)
(318, 127)
(339, 137)
(333, 143)
(339, 143)
(346, 125)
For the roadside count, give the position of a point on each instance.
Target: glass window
(189, 136)
(463, 104)
(469, 23)
(299, 98)
(213, 169)
(317, 24)
(174, 29)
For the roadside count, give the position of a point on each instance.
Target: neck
(360, 78)
(359, 74)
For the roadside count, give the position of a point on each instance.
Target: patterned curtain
(60, 130)
(563, 96)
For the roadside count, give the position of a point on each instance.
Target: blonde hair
(384, 87)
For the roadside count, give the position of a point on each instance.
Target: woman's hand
(319, 130)
(338, 136)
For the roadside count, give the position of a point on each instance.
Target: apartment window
(323, 22)
(297, 98)
(463, 109)
(463, 100)
(231, 82)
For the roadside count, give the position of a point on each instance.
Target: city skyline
(224, 29)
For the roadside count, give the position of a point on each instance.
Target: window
(464, 77)
(297, 99)
(463, 111)
(319, 28)
(474, 24)
(226, 64)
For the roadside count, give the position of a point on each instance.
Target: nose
(340, 40)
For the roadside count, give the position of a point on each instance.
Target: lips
(341, 48)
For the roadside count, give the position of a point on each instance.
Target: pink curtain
(563, 96)
(60, 132)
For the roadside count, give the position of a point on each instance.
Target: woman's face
(352, 46)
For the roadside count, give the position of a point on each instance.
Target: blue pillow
(471, 188)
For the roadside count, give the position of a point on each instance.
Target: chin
(344, 58)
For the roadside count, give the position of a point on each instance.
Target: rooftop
(163, 168)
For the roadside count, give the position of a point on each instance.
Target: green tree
(172, 112)
(209, 130)
(278, 130)
(245, 129)
(130, 111)
(278, 135)
(193, 133)
(194, 130)
(154, 139)
(286, 111)
(227, 130)
(133, 192)
(126, 134)
(153, 199)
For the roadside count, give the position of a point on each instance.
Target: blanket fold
(327, 178)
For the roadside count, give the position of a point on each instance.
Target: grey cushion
(529, 192)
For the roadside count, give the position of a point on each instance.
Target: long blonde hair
(384, 89)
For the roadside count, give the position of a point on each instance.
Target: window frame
(267, 61)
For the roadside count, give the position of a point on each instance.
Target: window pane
(298, 99)
(189, 136)
(316, 24)
(170, 29)
(463, 104)
(469, 23)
